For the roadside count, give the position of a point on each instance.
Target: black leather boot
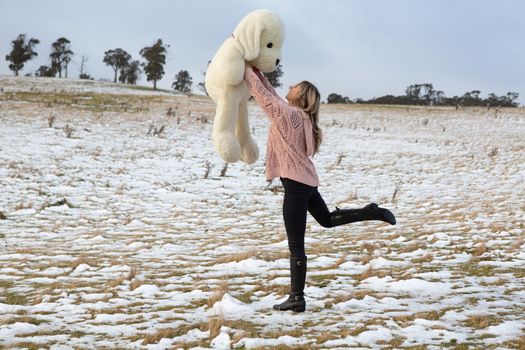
(369, 212)
(295, 301)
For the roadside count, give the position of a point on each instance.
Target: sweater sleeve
(272, 104)
(269, 87)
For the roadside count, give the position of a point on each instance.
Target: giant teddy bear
(257, 39)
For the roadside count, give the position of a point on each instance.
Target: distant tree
(428, 93)
(424, 94)
(275, 76)
(83, 73)
(336, 98)
(61, 55)
(438, 97)
(413, 93)
(387, 100)
(155, 56)
(471, 98)
(182, 82)
(116, 59)
(21, 52)
(45, 71)
(509, 100)
(492, 100)
(130, 73)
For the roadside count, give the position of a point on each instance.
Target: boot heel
(299, 309)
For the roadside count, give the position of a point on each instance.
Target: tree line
(128, 70)
(125, 69)
(426, 95)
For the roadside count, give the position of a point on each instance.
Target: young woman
(293, 138)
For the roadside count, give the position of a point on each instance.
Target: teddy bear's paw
(249, 152)
(227, 146)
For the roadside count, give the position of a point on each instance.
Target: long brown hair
(309, 101)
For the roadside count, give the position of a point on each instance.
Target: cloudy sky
(355, 48)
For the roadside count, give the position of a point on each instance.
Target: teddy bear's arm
(233, 71)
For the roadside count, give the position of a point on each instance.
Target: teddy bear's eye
(269, 45)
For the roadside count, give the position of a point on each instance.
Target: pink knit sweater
(290, 140)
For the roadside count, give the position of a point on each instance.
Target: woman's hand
(255, 70)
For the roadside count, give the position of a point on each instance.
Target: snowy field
(120, 228)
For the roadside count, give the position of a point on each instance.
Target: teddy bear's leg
(249, 149)
(224, 137)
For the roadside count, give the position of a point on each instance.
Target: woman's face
(293, 93)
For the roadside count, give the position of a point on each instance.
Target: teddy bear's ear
(249, 36)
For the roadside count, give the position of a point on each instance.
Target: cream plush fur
(258, 39)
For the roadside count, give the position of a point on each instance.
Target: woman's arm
(272, 104)
(266, 83)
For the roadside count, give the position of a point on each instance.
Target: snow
(149, 244)
(221, 342)
(231, 308)
(251, 343)
(411, 286)
(505, 331)
(147, 290)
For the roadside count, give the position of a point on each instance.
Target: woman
(293, 138)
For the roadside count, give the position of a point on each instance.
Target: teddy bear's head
(261, 36)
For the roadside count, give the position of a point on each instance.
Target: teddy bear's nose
(277, 62)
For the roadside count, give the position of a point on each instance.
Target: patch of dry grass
(83, 259)
(518, 343)
(481, 321)
(479, 249)
(425, 258)
(234, 257)
(413, 246)
(214, 325)
(219, 292)
(341, 298)
(154, 338)
(12, 298)
(127, 277)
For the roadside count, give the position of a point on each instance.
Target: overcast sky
(355, 48)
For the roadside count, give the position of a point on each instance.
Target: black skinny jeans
(298, 199)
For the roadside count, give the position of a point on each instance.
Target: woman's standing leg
(295, 206)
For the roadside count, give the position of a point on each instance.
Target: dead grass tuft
(368, 273)
(411, 247)
(425, 258)
(214, 325)
(22, 206)
(136, 283)
(358, 294)
(518, 343)
(15, 299)
(219, 292)
(234, 257)
(481, 321)
(82, 259)
(339, 262)
(479, 249)
(274, 255)
(154, 338)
